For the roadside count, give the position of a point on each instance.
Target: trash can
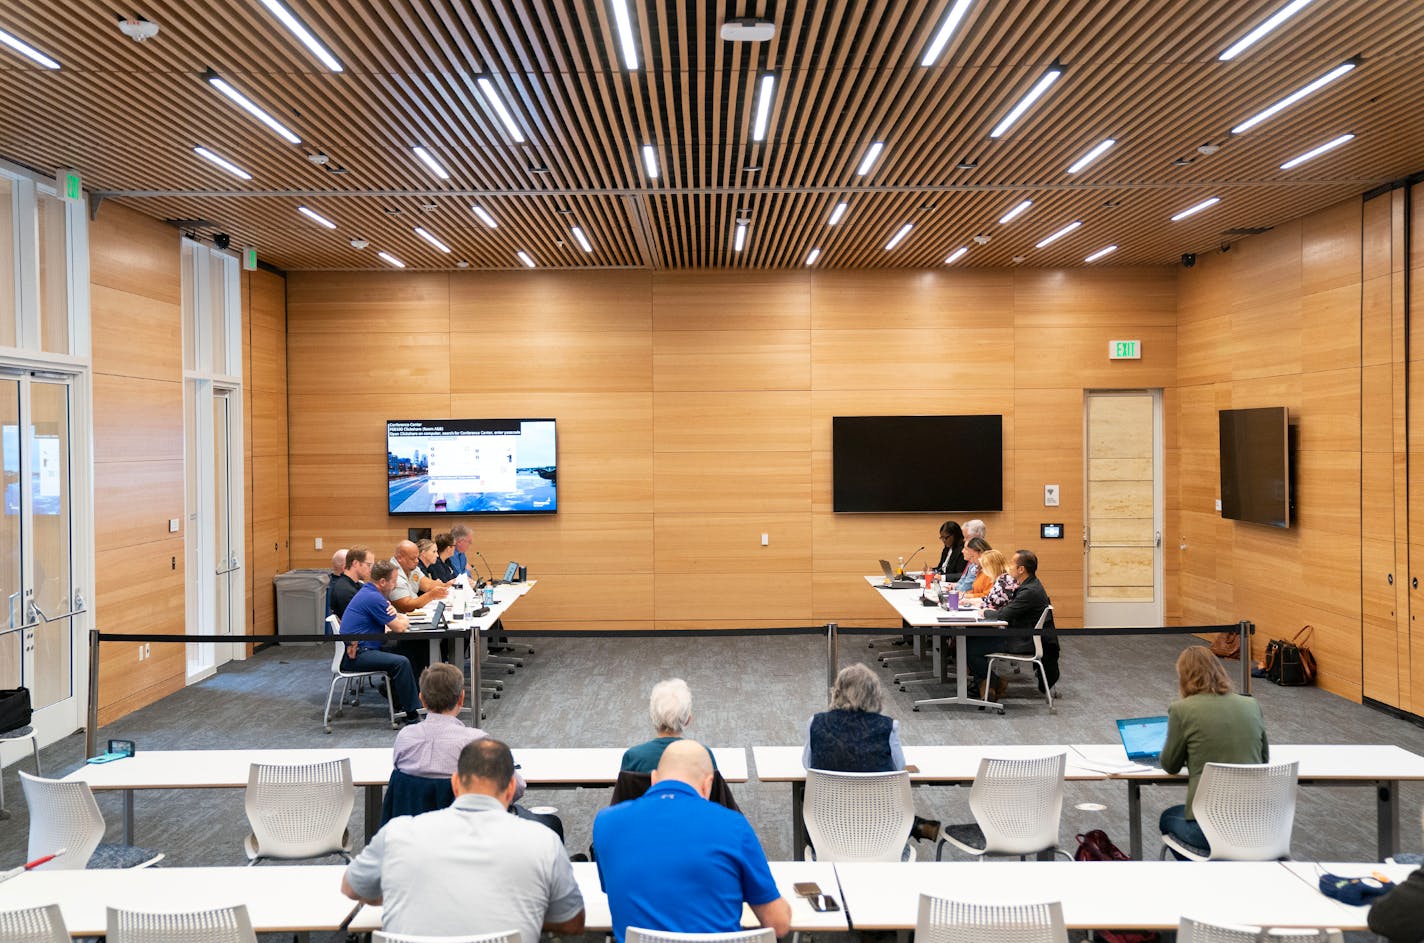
(301, 602)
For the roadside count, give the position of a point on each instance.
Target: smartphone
(807, 889)
(106, 758)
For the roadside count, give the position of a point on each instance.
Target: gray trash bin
(301, 601)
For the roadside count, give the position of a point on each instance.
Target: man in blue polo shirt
(369, 613)
(673, 861)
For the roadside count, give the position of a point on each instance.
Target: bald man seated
(413, 589)
(673, 861)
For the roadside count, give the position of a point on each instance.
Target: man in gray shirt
(471, 868)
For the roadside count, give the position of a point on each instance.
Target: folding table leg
(372, 813)
(1387, 817)
(1134, 820)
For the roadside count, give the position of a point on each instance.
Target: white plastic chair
(636, 935)
(344, 678)
(1246, 812)
(224, 925)
(858, 816)
(1017, 805)
(1036, 659)
(64, 815)
(1199, 931)
(507, 936)
(33, 925)
(952, 921)
(299, 811)
(11, 736)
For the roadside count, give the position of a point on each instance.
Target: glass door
(228, 596)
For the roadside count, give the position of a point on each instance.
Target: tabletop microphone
(906, 568)
(487, 565)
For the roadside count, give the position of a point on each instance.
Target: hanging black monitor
(917, 463)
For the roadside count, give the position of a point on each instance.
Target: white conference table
(1380, 766)
(915, 615)
(460, 625)
(552, 767)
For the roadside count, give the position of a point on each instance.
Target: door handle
(14, 598)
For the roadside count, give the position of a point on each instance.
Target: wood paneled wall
(695, 414)
(264, 392)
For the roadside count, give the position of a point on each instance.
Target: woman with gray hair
(670, 709)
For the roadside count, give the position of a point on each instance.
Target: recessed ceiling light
(1054, 237)
(1016, 212)
(747, 29)
(740, 239)
(763, 112)
(1106, 250)
(462, 264)
(222, 162)
(837, 213)
(390, 259)
(581, 239)
(945, 31)
(295, 27)
(871, 156)
(1182, 161)
(484, 216)
(429, 237)
(1098, 150)
(650, 161)
(492, 96)
(431, 162)
(899, 236)
(540, 169)
(956, 255)
(1041, 86)
(1295, 96)
(28, 51)
(812, 256)
(249, 106)
(316, 217)
(526, 258)
(1327, 146)
(967, 165)
(751, 168)
(1193, 210)
(624, 23)
(1276, 19)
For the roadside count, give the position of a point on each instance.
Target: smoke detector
(359, 243)
(1208, 149)
(748, 29)
(137, 28)
(982, 240)
(319, 159)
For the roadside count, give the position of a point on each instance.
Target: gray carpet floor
(747, 691)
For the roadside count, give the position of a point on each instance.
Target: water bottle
(489, 595)
(900, 569)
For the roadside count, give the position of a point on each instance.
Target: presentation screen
(471, 466)
(917, 463)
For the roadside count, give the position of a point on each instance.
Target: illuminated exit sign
(69, 185)
(1124, 350)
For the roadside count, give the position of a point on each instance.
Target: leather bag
(15, 709)
(1289, 662)
(1226, 645)
(1097, 846)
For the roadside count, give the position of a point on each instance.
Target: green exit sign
(1124, 350)
(69, 185)
(249, 259)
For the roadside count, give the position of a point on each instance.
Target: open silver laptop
(892, 582)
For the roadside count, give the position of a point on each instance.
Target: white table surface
(598, 920)
(1352, 917)
(1345, 761)
(459, 602)
(907, 603)
(958, 763)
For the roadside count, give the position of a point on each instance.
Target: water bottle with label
(489, 595)
(900, 569)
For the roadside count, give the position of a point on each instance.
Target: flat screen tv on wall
(1256, 465)
(472, 466)
(917, 463)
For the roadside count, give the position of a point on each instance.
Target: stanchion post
(1246, 629)
(91, 724)
(833, 656)
(476, 702)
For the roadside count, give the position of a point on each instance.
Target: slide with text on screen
(471, 466)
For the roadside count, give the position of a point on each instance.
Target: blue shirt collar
(668, 787)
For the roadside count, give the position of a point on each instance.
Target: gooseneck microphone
(906, 568)
(487, 565)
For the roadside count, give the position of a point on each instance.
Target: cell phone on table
(807, 889)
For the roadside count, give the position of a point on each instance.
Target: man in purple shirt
(369, 613)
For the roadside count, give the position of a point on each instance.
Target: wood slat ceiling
(1144, 72)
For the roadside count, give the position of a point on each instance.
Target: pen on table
(350, 917)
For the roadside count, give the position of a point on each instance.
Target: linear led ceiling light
(1106, 250)
(1295, 96)
(389, 259)
(249, 106)
(484, 216)
(871, 156)
(492, 96)
(1092, 155)
(581, 239)
(837, 213)
(956, 255)
(625, 34)
(28, 51)
(1014, 213)
(763, 112)
(812, 256)
(431, 162)
(526, 258)
(650, 161)
(946, 30)
(740, 239)
(1193, 210)
(429, 237)
(1276, 19)
(1034, 94)
(222, 162)
(295, 27)
(1327, 146)
(899, 236)
(316, 217)
(1049, 240)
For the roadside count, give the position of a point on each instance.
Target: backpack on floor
(1097, 846)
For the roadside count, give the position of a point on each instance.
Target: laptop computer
(431, 621)
(1143, 738)
(892, 582)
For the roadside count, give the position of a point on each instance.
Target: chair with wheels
(506, 936)
(1245, 810)
(223, 925)
(636, 935)
(1035, 658)
(33, 925)
(858, 816)
(13, 736)
(299, 812)
(64, 815)
(344, 678)
(1199, 931)
(953, 921)
(1017, 805)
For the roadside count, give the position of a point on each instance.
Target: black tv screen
(1255, 465)
(917, 463)
(472, 466)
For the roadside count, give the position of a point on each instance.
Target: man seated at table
(345, 587)
(369, 613)
(1021, 612)
(469, 869)
(674, 861)
(338, 566)
(413, 589)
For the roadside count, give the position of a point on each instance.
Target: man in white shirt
(413, 590)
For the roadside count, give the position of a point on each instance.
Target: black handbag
(15, 709)
(1289, 662)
